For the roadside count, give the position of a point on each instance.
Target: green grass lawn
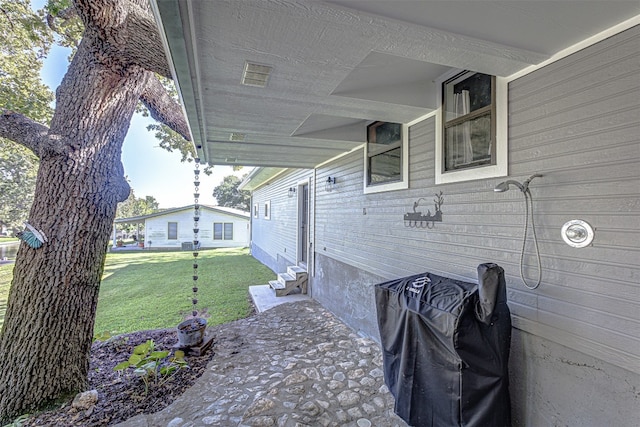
(150, 290)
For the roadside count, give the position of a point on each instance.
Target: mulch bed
(122, 395)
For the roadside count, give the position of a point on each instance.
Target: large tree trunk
(46, 338)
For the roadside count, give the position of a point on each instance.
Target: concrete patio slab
(265, 298)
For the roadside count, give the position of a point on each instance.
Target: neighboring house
(349, 127)
(219, 227)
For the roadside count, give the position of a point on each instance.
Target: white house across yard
(219, 227)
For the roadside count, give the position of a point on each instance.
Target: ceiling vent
(256, 74)
(237, 137)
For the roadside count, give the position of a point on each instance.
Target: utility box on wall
(445, 348)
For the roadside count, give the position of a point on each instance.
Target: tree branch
(144, 46)
(128, 32)
(24, 131)
(67, 13)
(4, 12)
(164, 108)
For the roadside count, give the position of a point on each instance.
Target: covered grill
(446, 348)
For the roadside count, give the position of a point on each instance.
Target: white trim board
(616, 29)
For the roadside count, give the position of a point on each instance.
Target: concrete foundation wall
(550, 385)
(348, 292)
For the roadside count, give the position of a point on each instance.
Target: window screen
(172, 233)
(217, 231)
(469, 121)
(384, 153)
(228, 231)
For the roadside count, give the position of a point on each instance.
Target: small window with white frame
(222, 231)
(386, 157)
(471, 134)
(267, 209)
(172, 231)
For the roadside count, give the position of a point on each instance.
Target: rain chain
(196, 230)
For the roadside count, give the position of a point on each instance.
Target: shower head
(504, 186)
(526, 183)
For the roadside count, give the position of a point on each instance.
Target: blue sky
(152, 171)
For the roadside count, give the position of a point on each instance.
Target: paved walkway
(293, 365)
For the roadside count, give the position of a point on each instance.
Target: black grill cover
(446, 348)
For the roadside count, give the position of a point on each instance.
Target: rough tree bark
(46, 338)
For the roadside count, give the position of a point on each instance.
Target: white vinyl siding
(275, 242)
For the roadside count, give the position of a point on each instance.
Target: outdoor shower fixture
(504, 186)
(528, 200)
(524, 187)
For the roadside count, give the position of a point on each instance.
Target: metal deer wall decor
(419, 220)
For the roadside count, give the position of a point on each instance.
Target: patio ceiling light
(256, 74)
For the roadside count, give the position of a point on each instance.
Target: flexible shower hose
(528, 200)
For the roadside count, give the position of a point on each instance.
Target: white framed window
(267, 209)
(217, 231)
(222, 231)
(386, 157)
(172, 231)
(471, 129)
(228, 231)
(255, 210)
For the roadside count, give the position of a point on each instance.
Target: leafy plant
(18, 422)
(154, 367)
